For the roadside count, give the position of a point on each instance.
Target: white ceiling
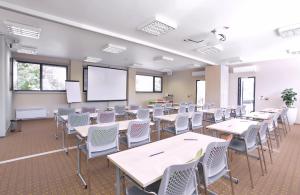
(251, 35)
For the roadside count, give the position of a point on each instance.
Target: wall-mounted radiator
(31, 113)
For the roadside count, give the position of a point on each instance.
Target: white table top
(77, 110)
(92, 115)
(134, 112)
(233, 126)
(123, 125)
(171, 117)
(272, 110)
(208, 111)
(145, 170)
(259, 115)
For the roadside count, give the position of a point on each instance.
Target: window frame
(153, 84)
(41, 76)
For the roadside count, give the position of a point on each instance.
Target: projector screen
(106, 84)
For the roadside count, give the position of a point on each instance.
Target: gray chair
(138, 133)
(197, 121)
(168, 107)
(191, 108)
(74, 120)
(120, 111)
(176, 180)
(243, 110)
(237, 112)
(227, 114)
(106, 117)
(101, 141)
(214, 164)
(273, 128)
(182, 109)
(134, 107)
(143, 114)
(59, 121)
(246, 144)
(218, 115)
(181, 125)
(88, 110)
(284, 118)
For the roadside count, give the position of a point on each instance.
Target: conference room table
(82, 132)
(134, 112)
(272, 110)
(146, 164)
(259, 115)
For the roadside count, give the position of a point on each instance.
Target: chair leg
(263, 156)
(288, 122)
(276, 137)
(249, 167)
(88, 175)
(269, 140)
(260, 162)
(270, 152)
(107, 163)
(229, 167)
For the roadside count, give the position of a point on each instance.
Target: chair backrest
(158, 111)
(143, 114)
(243, 110)
(157, 105)
(106, 117)
(168, 105)
(215, 161)
(218, 115)
(181, 123)
(138, 130)
(102, 138)
(120, 109)
(227, 113)
(250, 136)
(197, 119)
(134, 107)
(238, 111)
(76, 120)
(88, 110)
(191, 108)
(263, 131)
(65, 111)
(179, 179)
(182, 109)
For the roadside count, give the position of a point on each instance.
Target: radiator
(31, 113)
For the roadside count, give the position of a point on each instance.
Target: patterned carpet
(56, 173)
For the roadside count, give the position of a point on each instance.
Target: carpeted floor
(56, 173)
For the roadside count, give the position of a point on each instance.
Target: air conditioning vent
(210, 50)
(244, 69)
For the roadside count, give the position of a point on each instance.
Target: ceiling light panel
(23, 30)
(158, 26)
(289, 31)
(27, 50)
(111, 48)
(210, 50)
(163, 58)
(92, 59)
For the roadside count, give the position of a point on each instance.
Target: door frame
(239, 91)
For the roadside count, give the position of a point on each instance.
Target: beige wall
(271, 78)
(182, 85)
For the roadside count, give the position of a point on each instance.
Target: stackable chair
(182, 109)
(214, 164)
(168, 107)
(176, 180)
(218, 115)
(181, 125)
(138, 133)
(101, 141)
(157, 112)
(59, 121)
(74, 120)
(143, 114)
(283, 121)
(191, 108)
(237, 112)
(243, 110)
(106, 117)
(197, 121)
(246, 144)
(120, 111)
(264, 139)
(88, 110)
(134, 107)
(227, 114)
(284, 118)
(273, 129)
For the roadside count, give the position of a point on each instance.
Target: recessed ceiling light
(111, 48)
(232, 60)
(163, 58)
(27, 50)
(210, 49)
(23, 30)
(157, 26)
(92, 59)
(293, 51)
(289, 31)
(197, 65)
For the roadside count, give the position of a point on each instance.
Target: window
(38, 77)
(148, 83)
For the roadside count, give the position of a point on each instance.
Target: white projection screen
(106, 84)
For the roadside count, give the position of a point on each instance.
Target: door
(246, 93)
(200, 92)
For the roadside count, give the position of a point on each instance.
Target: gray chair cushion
(96, 154)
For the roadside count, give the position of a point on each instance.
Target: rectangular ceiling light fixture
(232, 60)
(163, 58)
(27, 50)
(210, 50)
(92, 59)
(111, 48)
(157, 26)
(289, 31)
(243, 69)
(23, 30)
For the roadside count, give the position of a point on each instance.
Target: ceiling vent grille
(23, 30)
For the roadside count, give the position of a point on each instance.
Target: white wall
(272, 77)
(5, 93)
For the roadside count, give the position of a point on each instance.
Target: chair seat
(239, 145)
(173, 130)
(215, 177)
(70, 131)
(123, 140)
(83, 148)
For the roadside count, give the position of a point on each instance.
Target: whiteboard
(106, 84)
(73, 91)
